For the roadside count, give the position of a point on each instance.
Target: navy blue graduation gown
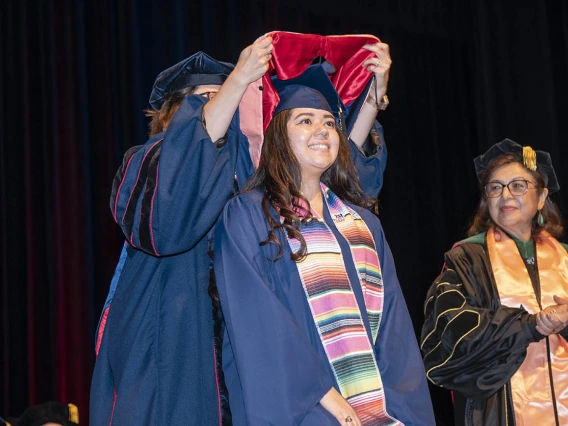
(276, 370)
(156, 363)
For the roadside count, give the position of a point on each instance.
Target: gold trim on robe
(530, 385)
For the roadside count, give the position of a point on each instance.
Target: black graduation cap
(50, 412)
(532, 160)
(312, 89)
(8, 422)
(198, 69)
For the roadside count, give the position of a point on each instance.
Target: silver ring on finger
(377, 62)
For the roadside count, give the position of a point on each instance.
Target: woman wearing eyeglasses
(495, 330)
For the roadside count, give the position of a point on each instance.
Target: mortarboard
(50, 412)
(8, 422)
(312, 89)
(531, 159)
(198, 69)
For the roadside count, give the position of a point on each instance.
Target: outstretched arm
(252, 64)
(169, 192)
(366, 137)
(380, 67)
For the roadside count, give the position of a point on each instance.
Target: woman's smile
(515, 213)
(319, 145)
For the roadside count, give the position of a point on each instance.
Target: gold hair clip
(529, 158)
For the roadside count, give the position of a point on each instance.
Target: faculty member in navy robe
(155, 342)
(155, 358)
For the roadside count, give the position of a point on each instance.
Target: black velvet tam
(198, 69)
(507, 146)
(49, 412)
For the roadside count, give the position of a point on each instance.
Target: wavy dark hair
(160, 120)
(482, 221)
(279, 175)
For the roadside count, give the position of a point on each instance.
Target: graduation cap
(312, 89)
(50, 412)
(198, 69)
(7, 422)
(531, 159)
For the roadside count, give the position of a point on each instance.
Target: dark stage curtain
(76, 75)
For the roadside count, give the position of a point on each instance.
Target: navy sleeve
(282, 377)
(398, 356)
(371, 161)
(170, 191)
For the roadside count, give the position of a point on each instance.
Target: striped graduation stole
(335, 309)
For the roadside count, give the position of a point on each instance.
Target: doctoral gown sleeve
(170, 191)
(470, 343)
(282, 377)
(371, 161)
(398, 356)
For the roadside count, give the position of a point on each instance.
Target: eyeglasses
(516, 187)
(208, 95)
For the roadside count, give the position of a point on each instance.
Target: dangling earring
(540, 219)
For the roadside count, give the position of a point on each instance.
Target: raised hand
(379, 65)
(253, 61)
(252, 64)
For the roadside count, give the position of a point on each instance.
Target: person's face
(207, 90)
(514, 213)
(314, 140)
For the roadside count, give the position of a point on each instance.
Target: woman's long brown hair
(279, 175)
(160, 120)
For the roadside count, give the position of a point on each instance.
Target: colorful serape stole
(335, 309)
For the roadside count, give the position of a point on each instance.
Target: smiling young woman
(314, 140)
(317, 331)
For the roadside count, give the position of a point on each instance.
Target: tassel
(341, 117)
(529, 158)
(73, 413)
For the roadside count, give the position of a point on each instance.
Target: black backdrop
(76, 75)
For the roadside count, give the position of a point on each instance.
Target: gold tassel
(73, 413)
(529, 158)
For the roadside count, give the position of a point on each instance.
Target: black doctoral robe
(472, 344)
